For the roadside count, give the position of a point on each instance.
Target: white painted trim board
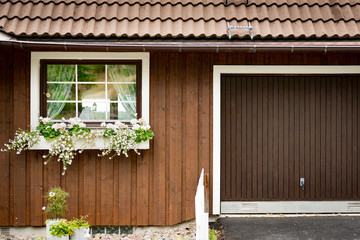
(250, 69)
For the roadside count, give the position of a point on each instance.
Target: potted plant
(61, 230)
(81, 229)
(56, 208)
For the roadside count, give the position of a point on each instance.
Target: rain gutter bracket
(250, 27)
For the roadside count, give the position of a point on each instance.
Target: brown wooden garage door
(278, 129)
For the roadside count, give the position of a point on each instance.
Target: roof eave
(183, 46)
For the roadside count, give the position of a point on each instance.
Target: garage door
(277, 130)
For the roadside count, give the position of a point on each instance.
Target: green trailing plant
(47, 130)
(213, 234)
(61, 228)
(23, 141)
(78, 223)
(122, 137)
(62, 135)
(57, 205)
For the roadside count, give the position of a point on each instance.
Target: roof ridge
(35, 2)
(181, 19)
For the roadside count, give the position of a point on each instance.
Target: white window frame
(248, 69)
(35, 76)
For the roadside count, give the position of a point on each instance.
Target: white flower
(143, 128)
(141, 121)
(133, 121)
(103, 124)
(71, 126)
(46, 120)
(62, 125)
(44, 208)
(75, 121)
(63, 119)
(55, 127)
(82, 125)
(136, 127)
(51, 194)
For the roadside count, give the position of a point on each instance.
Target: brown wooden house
(258, 107)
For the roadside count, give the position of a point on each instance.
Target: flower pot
(81, 234)
(49, 223)
(59, 238)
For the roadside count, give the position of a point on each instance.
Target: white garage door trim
(246, 69)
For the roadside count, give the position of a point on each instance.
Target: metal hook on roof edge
(250, 27)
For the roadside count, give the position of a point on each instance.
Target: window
(94, 91)
(95, 86)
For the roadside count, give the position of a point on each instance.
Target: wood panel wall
(156, 188)
(278, 129)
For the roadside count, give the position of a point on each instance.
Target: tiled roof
(280, 19)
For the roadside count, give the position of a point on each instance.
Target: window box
(100, 143)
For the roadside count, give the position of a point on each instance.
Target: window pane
(120, 111)
(58, 110)
(93, 110)
(122, 92)
(91, 73)
(60, 73)
(91, 91)
(121, 73)
(61, 92)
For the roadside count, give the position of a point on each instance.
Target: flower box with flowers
(99, 143)
(69, 137)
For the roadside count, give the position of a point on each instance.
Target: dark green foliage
(47, 131)
(143, 135)
(76, 130)
(62, 228)
(77, 223)
(57, 205)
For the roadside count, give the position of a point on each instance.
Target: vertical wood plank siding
(330, 175)
(158, 187)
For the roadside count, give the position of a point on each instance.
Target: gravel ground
(187, 233)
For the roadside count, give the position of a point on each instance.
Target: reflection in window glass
(93, 91)
(92, 110)
(60, 91)
(121, 73)
(58, 110)
(118, 112)
(60, 73)
(97, 92)
(91, 73)
(122, 92)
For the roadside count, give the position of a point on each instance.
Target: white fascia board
(252, 69)
(4, 37)
(35, 76)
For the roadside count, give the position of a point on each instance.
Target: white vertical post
(202, 217)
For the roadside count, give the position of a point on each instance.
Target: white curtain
(60, 91)
(125, 92)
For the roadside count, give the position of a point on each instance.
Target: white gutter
(193, 46)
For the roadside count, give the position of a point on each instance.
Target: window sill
(100, 143)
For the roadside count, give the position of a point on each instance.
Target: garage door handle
(302, 183)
